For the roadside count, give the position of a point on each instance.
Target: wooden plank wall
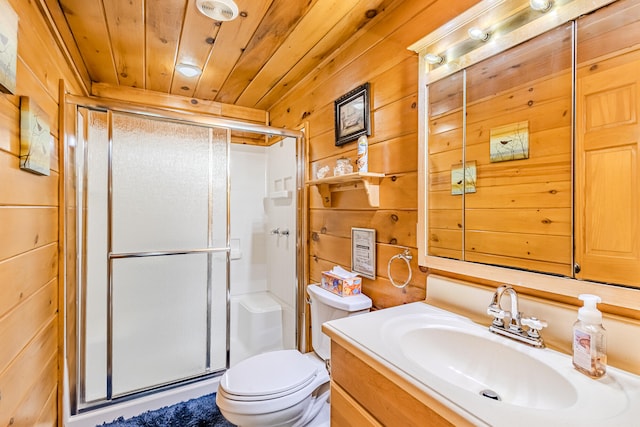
(29, 320)
(376, 54)
(446, 135)
(520, 212)
(192, 105)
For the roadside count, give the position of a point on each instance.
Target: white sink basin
(487, 367)
(467, 367)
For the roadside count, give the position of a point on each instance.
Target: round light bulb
(432, 58)
(540, 5)
(478, 34)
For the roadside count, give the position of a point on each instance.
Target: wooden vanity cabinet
(365, 392)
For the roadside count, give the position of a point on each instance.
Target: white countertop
(389, 336)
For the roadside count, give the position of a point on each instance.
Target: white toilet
(286, 387)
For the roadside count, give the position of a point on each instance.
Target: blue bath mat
(200, 412)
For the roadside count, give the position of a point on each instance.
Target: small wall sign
(363, 252)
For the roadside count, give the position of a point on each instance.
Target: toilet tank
(327, 306)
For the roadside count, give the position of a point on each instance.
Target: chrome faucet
(278, 232)
(511, 323)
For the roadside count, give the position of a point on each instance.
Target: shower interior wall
(263, 198)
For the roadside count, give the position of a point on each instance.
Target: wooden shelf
(369, 181)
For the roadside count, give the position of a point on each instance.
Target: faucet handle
(495, 311)
(534, 325)
(498, 314)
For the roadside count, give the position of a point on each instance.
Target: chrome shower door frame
(77, 227)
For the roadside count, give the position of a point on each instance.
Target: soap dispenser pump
(589, 341)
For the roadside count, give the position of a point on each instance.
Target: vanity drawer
(380, 394)
(346, 412)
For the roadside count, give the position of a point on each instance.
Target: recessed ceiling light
(188, 70)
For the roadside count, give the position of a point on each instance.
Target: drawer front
(386, 401)
(345, 412)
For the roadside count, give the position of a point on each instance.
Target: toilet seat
(254, 398)
(286, 387)
(270, 382)
(268, 376)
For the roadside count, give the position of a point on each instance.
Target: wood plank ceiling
(251, 61)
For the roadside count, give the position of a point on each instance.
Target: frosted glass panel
(218, 311)
(219, 211)
(160, 185)
(160, 322)
(169, 192)
(219, 185)
(96, 254)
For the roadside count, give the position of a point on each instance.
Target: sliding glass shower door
(154, 240)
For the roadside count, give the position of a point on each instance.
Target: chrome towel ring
(407, 257)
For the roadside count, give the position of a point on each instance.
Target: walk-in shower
(148, 245)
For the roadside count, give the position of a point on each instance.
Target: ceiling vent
(220, 10)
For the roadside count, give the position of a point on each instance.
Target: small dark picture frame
(352, 115)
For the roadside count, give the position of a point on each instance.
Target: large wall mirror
(531, 130)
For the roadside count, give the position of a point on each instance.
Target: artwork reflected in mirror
(463, 179)
(509, 142)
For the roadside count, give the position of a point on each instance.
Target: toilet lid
(269, 375)
(349, 303)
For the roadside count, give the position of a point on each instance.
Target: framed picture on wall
(35, 138)
(8, 47)
(363, 252)
(352, 115)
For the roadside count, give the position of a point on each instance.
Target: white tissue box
(340, 285)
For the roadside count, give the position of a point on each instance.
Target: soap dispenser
(589, 341)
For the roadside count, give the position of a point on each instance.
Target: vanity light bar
(465, 40)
